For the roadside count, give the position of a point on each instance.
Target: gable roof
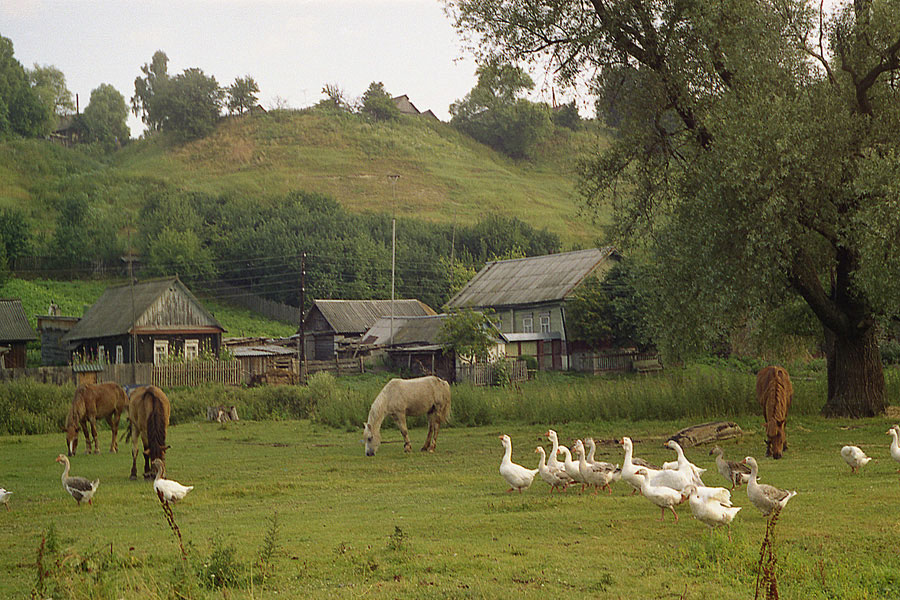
(14, 326)
(356, 316)
(111, 314)
(530, 280)
(413, 331)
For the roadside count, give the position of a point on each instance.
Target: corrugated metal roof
(14, 326)
(419, 330)
(529, 280)
(111, 314)
(263, 350)
(356, 316)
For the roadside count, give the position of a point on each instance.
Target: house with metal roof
(528, 297)
(163, 315)
(15, 333)
(336, 327)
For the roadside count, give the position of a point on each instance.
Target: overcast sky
(292, 48)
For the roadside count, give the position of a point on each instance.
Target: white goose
(660, 495)
(555, 478)
(709, 510)
(682, 476)
(572, 467)
(630, 467)
(167, 489)
(591, 447)
(765, 497)
(552, 461)
(518, 477)
(4, 497)
(80, 488)
(735, 472)
(595, 474)
(895, 445)
(854, 457)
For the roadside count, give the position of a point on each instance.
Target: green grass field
(438, 525)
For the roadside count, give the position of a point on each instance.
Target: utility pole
(301, 341)
(394, 179)
(130, 258)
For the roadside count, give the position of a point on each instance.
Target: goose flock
(666, 487)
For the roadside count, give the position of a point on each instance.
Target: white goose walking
(895, 444)
(4, 497)
(167, 489)
(709, 510)
(518, 477)
(556, 479)
(854, 457)
(660, 495)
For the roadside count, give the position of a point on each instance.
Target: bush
(28, 407)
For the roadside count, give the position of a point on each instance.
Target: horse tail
(156, 426)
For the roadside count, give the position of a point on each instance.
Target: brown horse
(93, 401)
(148, 413)
(774, 393)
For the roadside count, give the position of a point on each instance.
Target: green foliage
(190, 104)
(180, 253)
(149, 91)
(335, 99)
(377, 103)
(104, 118)
(493, 114)
(27, 407)
(21, 109)
(567, 116)
(50, 85)
(242, 95)
(468, 334)
(221, 568)
(610, 310)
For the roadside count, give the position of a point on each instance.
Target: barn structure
(165, 316)
(528, 297)
(15, 333)
(335, 327)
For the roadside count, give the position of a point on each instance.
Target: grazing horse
(148, 413)
(93, 401)
(401, 397)
(774, 393)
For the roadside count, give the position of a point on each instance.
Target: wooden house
(165, 316)
(15, 333)
(528, 297)
(336, 327)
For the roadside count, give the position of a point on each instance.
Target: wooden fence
(187, 374)
(484, 373)
(620, 362)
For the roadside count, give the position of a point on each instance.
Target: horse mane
(777, 399)
(156, 425)
(77, 409)
(377, 410)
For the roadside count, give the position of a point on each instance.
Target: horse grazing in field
(94, 401)
(774, 393)
(401, 397)
(148, 413)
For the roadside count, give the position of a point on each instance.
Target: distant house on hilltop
(406, 107)
(529, 297)
(167, 319)
(336, 327)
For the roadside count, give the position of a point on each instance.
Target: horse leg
(87, 435)
(428, 444)
(401, 423)
(135, 440)
(113, 420)
(93, 419)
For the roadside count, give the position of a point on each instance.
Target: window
(101, 354)
(160, 351)
(120, 355)
(527, 325)
(545, 323)
(191, 349)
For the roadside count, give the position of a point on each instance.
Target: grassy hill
(445, 177)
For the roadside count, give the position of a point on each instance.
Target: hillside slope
(444, 177)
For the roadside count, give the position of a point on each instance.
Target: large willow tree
(758, 155)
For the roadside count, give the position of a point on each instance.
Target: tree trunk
(855, 375)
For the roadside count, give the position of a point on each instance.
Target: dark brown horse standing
(148, 413)
(774, 392)
(93, 401)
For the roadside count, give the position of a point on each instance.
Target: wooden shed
(15, 333)
(165, 316)
(336, 327)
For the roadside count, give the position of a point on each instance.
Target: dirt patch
(892, 413)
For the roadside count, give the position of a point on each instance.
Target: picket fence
(482, 374)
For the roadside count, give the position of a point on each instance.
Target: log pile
(706, 433)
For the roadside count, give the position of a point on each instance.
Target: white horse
(401, 397)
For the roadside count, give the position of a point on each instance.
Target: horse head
(775, 437)
(72, 438)
(372, 439)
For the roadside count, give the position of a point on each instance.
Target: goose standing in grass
(596, 475)
(591, 447)
(736, 473)
(552, 462)
(710, 511)
(854, 457)
(166, 489)
(572, 467)
(80, 488)
(660, 495)
(895, 445)
(556, 479)
(630, 466)
(765, 497)
(518, 477)
(4, 497)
